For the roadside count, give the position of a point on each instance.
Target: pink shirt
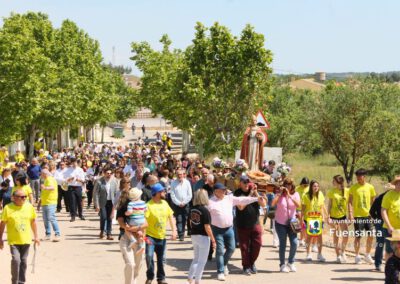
(221, 210)
(286, 209)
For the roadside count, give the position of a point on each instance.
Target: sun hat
(135, 193)
(396, 179)
(156, 188)
(395, 236)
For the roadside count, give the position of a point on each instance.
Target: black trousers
(105, 215)
(62, 194)
(75, 200)
(89, 193)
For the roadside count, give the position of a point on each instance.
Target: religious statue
(253, 142)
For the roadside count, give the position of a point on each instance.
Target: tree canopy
(211, 88)
(54, 78)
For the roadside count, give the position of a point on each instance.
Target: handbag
(294, 223)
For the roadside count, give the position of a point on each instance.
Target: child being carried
(135, 214)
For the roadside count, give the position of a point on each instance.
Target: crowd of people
(146, 189)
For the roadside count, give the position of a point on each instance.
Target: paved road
(83, 258)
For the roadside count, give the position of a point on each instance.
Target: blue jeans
(49, 217)
(155, 246)
(225, 239)
(283, 232)
(380, 241)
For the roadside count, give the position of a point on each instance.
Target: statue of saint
(253, 142)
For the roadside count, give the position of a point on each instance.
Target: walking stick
(34, 258)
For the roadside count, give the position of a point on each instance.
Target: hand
(390, 230)
(173, 236)
(42, 186)
(213, 244)
(112, 215)
(36, 241)
(97, 209)
(1, 244)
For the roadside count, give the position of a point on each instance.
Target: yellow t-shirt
(391, 202)
(362, 195)
(49, 197)
(37, 145)
(19, 157)
(157, 215)
(301, 190)
(313, 205)
(26, 188)
(18, 220)
(3, 156)
(339, 202)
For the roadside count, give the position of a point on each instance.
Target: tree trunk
(201, 150)
(32, 131)
(102, 134)
(49, 141)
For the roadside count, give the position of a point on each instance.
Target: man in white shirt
(75, 178)
(59, 175)
(181, 195)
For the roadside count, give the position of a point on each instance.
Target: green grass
(321, 168)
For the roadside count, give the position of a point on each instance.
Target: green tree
(350, 118)
(212, 88)
(27, 73)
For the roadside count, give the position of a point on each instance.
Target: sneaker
(148, 281)
(309, 257)
(246, 271)
(321, 258)
(358, 259)
(284, 268)
(226, 270)
(292, 267)
(275, 243)
(314, 248)
(221, 277)
(302, 243)
(378, 269)
(368, 259)
(162, 281)
(46, 238)
(56, 239)
(253, 269)
(344, 258)
(339, 259)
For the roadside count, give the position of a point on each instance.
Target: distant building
(312, 84)
(132, 81)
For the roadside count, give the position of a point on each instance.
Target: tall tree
(212, 88)
(28, 74)
(349, 117)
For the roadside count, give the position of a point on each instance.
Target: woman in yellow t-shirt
(22, 183)
(337, 213)
(302, 189)
(313, 205)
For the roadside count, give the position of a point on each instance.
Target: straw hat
(135, 194)
(396, 179)
(395, 236)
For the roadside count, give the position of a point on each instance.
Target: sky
(305, 36)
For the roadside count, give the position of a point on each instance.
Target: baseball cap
(156, 188)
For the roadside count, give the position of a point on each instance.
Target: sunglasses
(109, 173)
(21, 196)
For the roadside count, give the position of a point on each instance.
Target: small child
(135, 214)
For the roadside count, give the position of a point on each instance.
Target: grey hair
(210, 178)
(200, 197)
